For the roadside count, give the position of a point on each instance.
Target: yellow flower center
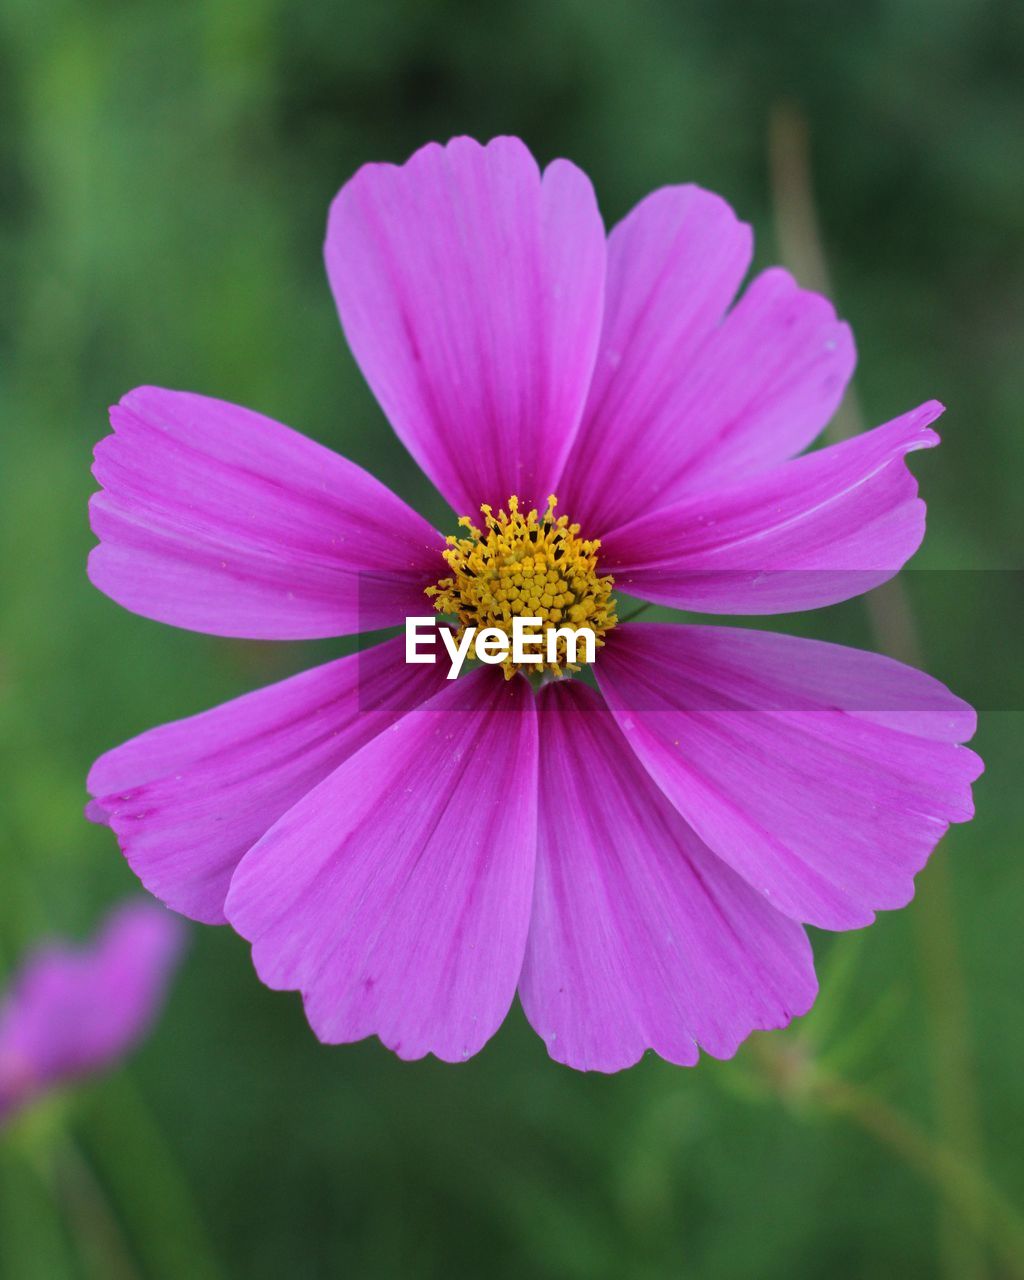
(526, 566)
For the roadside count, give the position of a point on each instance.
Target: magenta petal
(641, 937)
(767, 383)
(396, 896)
(825, 776)
(71, 1011)
(187, 800)
(674, 264)
(217, 519)
(755, 392)
(470, 290)
(810, 532)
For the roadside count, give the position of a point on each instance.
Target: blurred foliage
(165, 171)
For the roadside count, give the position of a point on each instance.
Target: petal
(823, 528)
(768, 382)
(470, 290)
(641, 937)
(758, 390)
(74, 1010)
(825, 776)
(396, 896)
(215, 518)
(188, 800)
(134, 958)
(674, 264)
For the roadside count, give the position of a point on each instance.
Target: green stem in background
(149, 1199)
(57, 1217)
(636, 612)
(93, 1224)
(105, 1187)
(153, 1195)
(34, 1244)
(963, 1184)
(892, 622)
(976, 1201)
(836, 978)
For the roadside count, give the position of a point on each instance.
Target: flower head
(526, 566)
(638, 862)
(73, 1011)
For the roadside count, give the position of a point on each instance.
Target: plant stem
(94, 1225)
(963, 1184)
(797, 1077)
(153, 1193)
(636, 612)
(892, 622)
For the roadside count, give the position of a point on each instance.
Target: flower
(74, 1011)
(640, 862)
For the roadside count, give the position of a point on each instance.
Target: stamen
(526, 567)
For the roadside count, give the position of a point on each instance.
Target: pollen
(527, 566)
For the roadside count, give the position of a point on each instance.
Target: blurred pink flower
(639, 863)
(73, 1011)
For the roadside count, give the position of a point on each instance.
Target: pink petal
(823, 528)
(674, 264)
(187, 800)
(75, 1010)
(470, 290)
(396, 895)
(215, 518)
(640, 937)
(755, 392)
(767, 383)
(823, 775)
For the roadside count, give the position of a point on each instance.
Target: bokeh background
(165, 171)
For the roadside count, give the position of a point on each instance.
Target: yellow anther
(525, 566)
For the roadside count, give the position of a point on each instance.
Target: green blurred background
(165, 171)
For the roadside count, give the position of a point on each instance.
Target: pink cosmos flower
(74, 1011)
(639, 863)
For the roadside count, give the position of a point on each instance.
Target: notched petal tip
(310, 896)
(96, 812)
(700, 202)
(470, 290)
(217, 519)
(641, 939)
(884, 737)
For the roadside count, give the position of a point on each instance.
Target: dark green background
(165, 171)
